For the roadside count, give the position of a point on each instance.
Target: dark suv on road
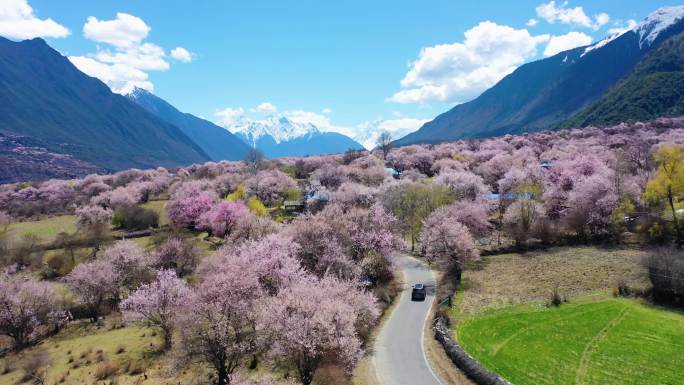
(418, 293)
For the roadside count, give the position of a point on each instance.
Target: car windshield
(418, 286)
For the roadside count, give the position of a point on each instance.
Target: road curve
(399, 353)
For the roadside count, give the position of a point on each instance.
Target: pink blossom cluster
(270, 186)
(29, 309)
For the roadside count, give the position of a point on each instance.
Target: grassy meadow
(46, 229)
(503, 318)
(609, 341)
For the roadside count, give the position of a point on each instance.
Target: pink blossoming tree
(447, 243)
(94, 283)
(218, 324)
(174, 253)
(312, 319)
(464, 184)
(28, 309)
(157, 303)
(131, 263)
(221, 219)
(270, 186)
(189, 203)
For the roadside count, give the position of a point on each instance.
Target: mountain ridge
(279, 136)
(542, 93)
(216, 141)
(654, 89)
(44, 96)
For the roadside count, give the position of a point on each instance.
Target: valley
(251, 193)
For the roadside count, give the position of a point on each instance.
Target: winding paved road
(399, 354)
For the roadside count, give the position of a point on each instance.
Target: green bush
(135, 218)
(293, 194)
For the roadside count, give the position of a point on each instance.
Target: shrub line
(464, 361)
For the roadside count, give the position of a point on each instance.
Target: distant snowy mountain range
(279, 136)
(279, 128)
(284, 130)
(648, 30)
(275, 137)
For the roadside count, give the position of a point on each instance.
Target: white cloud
(18, 21)
(532, 22)
(367, 133)
(123, 32)
(146, 57)
(565, 42)
(403, 124)
(229, 116)
(266, 107)
(120, 78)
(327, 111)
(575, 17)
(621, 28)
(122, 63)
(182, 54)
(460, 71)
(601, 19)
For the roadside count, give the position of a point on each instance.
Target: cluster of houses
(296, 207)
(509, 196)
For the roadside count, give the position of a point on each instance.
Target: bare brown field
(506, 279)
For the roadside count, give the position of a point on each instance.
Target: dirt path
(593, 345)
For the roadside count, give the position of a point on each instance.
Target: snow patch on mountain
(603, 42)
(138, 93)
(648, 30)
(657, 22)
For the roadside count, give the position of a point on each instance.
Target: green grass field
(588, 341)
(160, 208)
(47, 229)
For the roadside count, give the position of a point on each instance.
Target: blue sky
(339, 64)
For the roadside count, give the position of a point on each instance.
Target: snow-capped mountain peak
(657, 22)
(648, 30)
(282, 136)
(137, 93)
(280, 128)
